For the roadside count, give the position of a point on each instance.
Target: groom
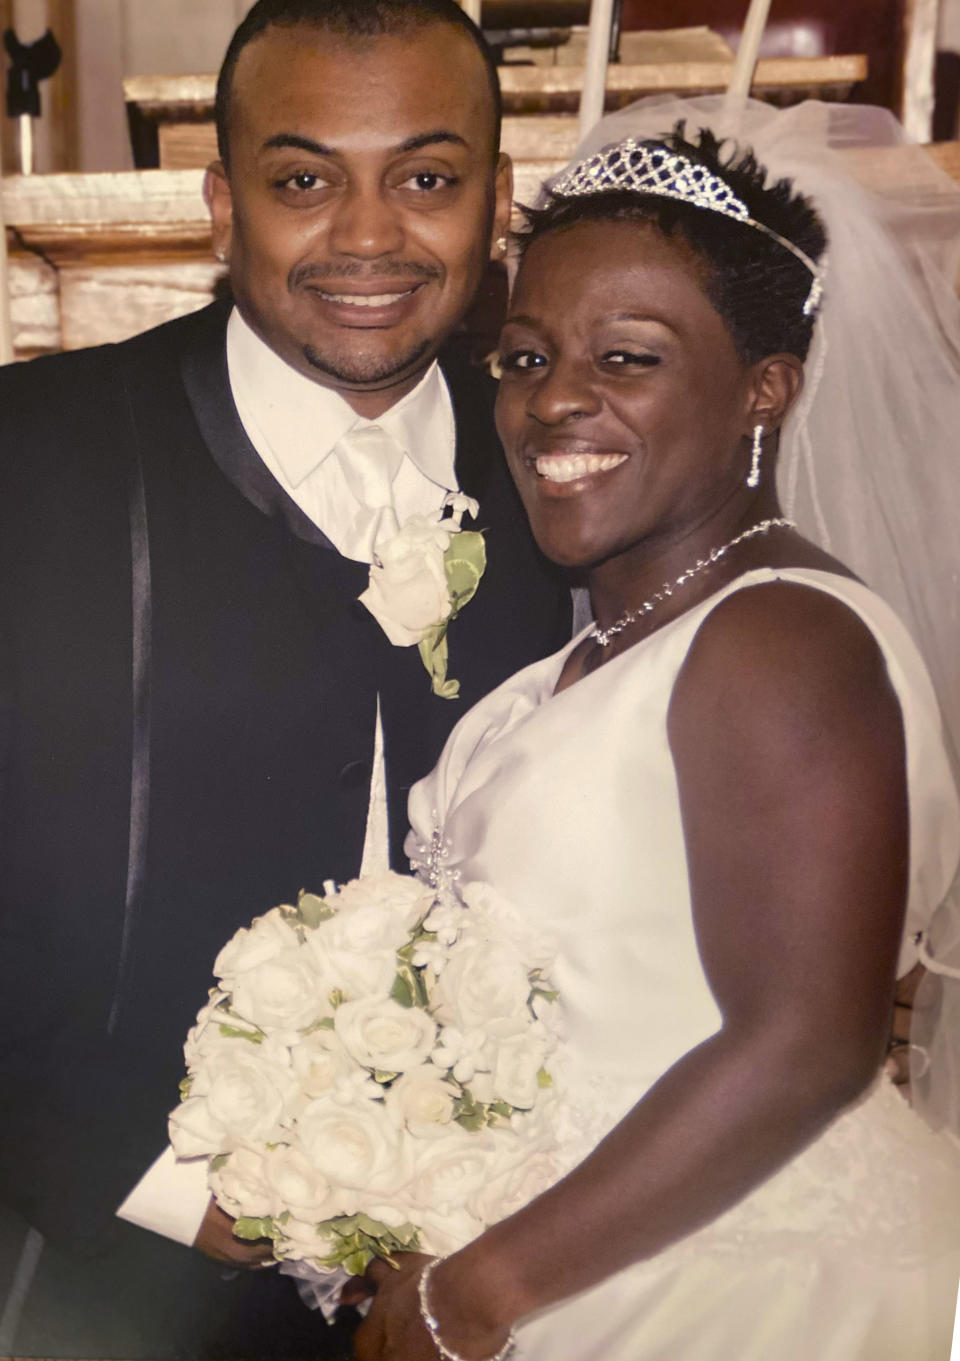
(188, 686)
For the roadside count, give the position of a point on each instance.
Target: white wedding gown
(568, 805)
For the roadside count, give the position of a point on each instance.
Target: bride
(728, 799)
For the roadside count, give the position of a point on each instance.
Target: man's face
(360, 200)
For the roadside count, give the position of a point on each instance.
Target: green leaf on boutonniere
(464, 563)
(435, 657)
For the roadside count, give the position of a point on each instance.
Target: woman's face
(623, 402)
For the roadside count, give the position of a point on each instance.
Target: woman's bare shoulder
(787, 660)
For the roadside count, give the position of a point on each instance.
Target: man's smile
(364, 299)
(366, 305)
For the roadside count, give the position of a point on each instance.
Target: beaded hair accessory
(652, 168)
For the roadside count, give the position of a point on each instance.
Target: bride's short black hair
(757, 286)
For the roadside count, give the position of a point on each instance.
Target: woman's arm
(788, 746)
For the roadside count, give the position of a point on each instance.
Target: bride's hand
(394, 1329)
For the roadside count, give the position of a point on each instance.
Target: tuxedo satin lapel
(207, 381)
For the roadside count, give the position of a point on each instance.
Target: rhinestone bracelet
(433, 1327)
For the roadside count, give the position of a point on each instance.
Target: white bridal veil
(869, 461)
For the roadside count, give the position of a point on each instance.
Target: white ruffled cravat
(370, 459)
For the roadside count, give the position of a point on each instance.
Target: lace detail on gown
(877, 1183)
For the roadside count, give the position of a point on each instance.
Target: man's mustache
(318, 271)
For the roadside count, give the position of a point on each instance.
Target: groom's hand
(215, 1239)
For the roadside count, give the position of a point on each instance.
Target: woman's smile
(573, 469)
(623, 401)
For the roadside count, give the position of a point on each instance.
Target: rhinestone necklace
(606, 636)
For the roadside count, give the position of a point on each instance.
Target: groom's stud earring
(222, 256)
(753, 477)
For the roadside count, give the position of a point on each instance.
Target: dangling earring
(753, 477)
(501, 244)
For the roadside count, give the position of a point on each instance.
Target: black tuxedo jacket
(187, 697)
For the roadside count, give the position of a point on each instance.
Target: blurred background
(110, 234)
(104, 41)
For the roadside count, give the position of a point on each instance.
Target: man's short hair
(349, 19)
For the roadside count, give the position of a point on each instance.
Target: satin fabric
(567, 804)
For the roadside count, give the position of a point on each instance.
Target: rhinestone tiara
(652, 168)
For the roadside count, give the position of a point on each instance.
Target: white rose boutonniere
(421, 580)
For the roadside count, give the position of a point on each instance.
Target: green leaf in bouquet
(324, 1023)
(337, 998)
(501, 1109)
(469, 1112)
(373, 1228)
(548, 994)
(251, 1229)
(185, 1084)
(313, 910)
(233, 1032)
(419, 989)
(358, 1261)
(384, 1078)
(406, 952)
(219, 1160)
(544, 1080)
(402, 990)
(409, 988)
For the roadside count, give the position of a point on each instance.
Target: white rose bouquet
(369, 1076)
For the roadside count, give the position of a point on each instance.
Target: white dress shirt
(295, 426)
